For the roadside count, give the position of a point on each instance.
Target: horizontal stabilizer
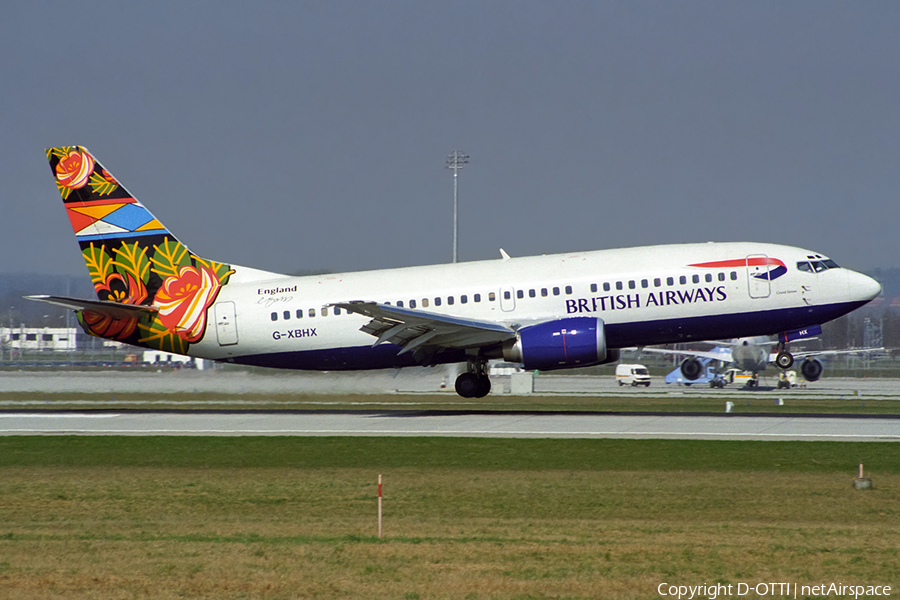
(113, 310)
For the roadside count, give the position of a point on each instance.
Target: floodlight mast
(455, 161)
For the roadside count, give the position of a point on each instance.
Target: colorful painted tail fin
(101, 210)
(133, 260)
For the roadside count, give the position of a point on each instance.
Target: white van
(632, 374)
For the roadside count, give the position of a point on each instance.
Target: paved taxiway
(403, 381)
(22, 417)
(509, 425)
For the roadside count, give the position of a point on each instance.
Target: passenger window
(424, 302)
(450, 300)
(568, 289)
(299, 313)
(312, 312)
(400, 303)
(645, 283)
(606, 287)
(337, 310)
(492, 297)
(657, 282)
(532, 293)
(631, 285)
(544, 290)
(437, 301)
(682, 280)
(619, 285)
(463, 299)
(556, 291)
(695, 279)
(477, 297)
(507, 295)
(721, 276)
(274, 316)
(324, 311)
(709, 278)
(286, 315)
(670, 281)
(412, 303)
(734, 275)
(520, 294)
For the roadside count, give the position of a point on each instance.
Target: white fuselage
(645, 295)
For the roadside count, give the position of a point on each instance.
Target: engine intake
(560, 344)
(811, 369)
(691, 369)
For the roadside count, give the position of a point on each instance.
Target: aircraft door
(226, 324)
(758, 283)
(507, 299)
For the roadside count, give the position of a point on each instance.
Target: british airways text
(640, 300)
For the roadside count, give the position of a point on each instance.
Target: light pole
(455, 161)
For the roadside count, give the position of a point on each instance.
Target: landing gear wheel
(784, 360)
(473, 385)
(468, 385)
(484, 386)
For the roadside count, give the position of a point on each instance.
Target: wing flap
(411, 328)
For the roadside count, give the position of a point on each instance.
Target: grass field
(171, 517)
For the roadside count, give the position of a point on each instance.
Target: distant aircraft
(751, 355)
(545, 312)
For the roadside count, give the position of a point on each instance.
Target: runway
(454, 424)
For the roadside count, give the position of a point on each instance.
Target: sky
(302, 137)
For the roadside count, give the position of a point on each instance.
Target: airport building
(43, 339)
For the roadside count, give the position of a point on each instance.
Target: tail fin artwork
(151, 289)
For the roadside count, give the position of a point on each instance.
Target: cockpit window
(817, 266)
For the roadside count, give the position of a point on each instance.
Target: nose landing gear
(785, 359)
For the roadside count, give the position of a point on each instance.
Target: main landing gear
(474, 383)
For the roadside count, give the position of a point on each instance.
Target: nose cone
(862, 288)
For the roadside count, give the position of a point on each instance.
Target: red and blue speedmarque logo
(773, 268)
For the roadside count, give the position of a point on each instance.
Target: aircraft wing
(828, 352)
(717, 353)
(113, 310)
(411, 328)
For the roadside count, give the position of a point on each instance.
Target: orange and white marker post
(379, 506)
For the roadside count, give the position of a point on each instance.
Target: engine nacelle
(691, 368)
(811, 369)
(560, 344)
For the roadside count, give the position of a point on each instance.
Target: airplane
(545, 312)
(750, 355)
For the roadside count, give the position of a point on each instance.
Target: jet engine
(560, 344)
(691, 368)
(811, 369)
